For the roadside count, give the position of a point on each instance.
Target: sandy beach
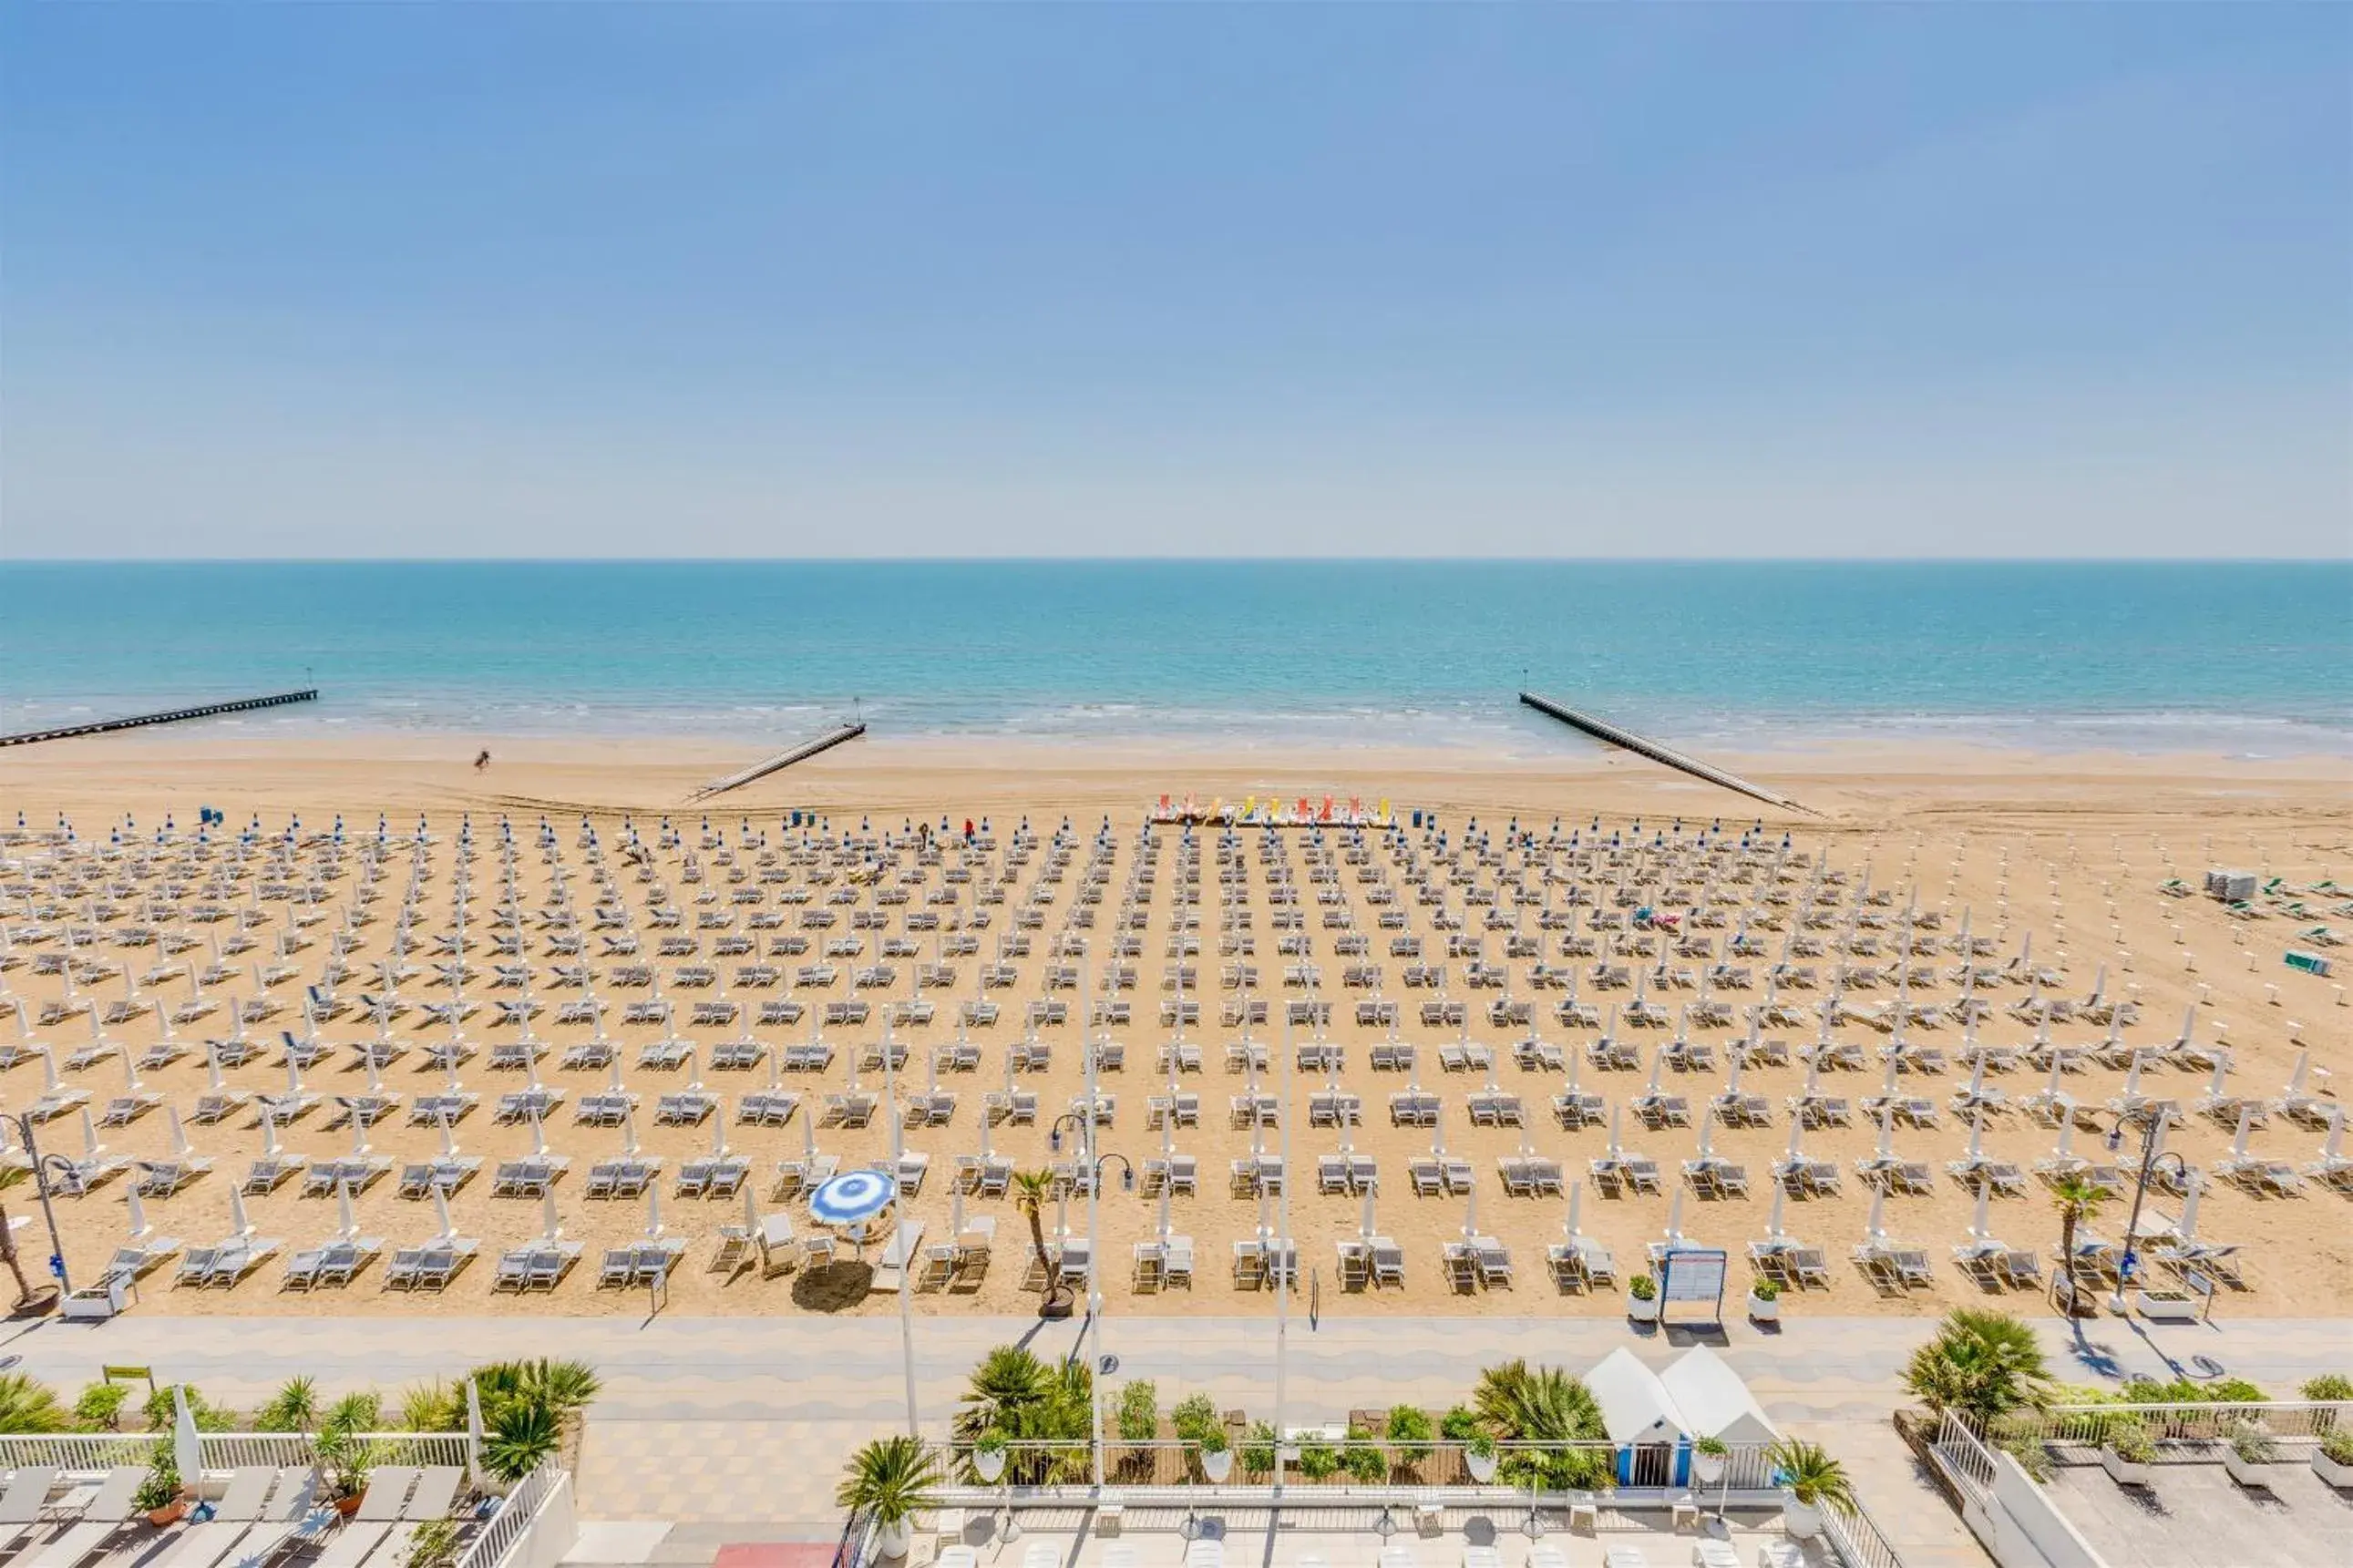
(2072, 849)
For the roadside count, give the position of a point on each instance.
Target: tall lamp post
(1090, 1332)
(2152, 1155)
(22, 1122)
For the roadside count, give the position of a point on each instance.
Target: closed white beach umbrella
(187, 1448)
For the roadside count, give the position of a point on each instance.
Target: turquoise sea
(2252, 659)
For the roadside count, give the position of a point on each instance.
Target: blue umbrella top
(852, 1197)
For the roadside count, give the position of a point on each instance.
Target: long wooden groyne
(800, 753)
(138, 721)
(1602, 729)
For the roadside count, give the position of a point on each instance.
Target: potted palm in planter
(1764, 1301)
(1479, 1458)
(159, 1496)
(1709, 1456)
(2333, 1460)
(892, 1480)
(2128, 1452)
(1642, 1299)
(1810, 1481)
(2249, 1456)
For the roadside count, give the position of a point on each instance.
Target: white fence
(93, 1452)
(534, 1527)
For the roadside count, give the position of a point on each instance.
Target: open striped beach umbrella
(852, 1197)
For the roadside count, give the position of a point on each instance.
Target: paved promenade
(720, 1420)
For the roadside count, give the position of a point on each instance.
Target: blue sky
(745, 280)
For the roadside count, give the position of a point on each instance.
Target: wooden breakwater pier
(174, 716)
(783, 760)
(1602, 729)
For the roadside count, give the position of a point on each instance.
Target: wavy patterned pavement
(713, 1420)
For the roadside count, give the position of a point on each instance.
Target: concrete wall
(2023, 1528)
(552, 1530)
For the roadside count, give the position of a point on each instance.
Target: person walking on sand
(483, 759)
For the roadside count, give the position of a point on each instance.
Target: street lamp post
(1090, 1332)
(2152, 1155)
(22, 1123)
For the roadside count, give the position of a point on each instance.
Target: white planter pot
(988, 1464)
(1800, 1520)
(1480, 1466)
(1707, 1468)
(2245, 1474)
(891, 1541)
(2166, 1310)
(1764, 1311)
(1640, 1311)
(2329, 1471)
(2123, 1472)
(1218, 1465)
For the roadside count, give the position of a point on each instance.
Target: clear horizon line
(2327, 561)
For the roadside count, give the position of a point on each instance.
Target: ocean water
(2253, 658)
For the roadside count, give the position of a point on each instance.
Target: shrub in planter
(1764, 1300)
(158, 1495)
(2249, 1456)
(1708, 1457)
(2328, 1386)
(1318, 1460)
(2333, 1460)
(1642, 1297)
(1459, 1425)
(1139, 1412)
(98, 1407)
(1363, 1458)
(1217, 1459)
(1258, 1449)
(989, 1457)
(2127, 1451)
(1409, 1434)
(1479, 1458)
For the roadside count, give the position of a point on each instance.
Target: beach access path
(744, 1421)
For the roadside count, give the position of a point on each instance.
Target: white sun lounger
(106, 1513)
(387, 1491)
(351, 1545)
(437, 1489)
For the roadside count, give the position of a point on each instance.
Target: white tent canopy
(1636, 1407)
(1713, 1399)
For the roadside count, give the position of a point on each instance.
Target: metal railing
(1371, 1465)
(234, 1450)
(1963, 1455)
(1856, 1539)
(514, 1519)
(92, 1452)
(80, 1451)
(2189, 1425)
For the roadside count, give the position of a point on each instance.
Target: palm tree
(10, 1176)
(1030, 1191)
(1811, 1476)
(2077, 1198)
(1981, 1362)
(1518, 1404)
(892, 1479)
(527, 1436)
(1006, 1383)
(28, 1404)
